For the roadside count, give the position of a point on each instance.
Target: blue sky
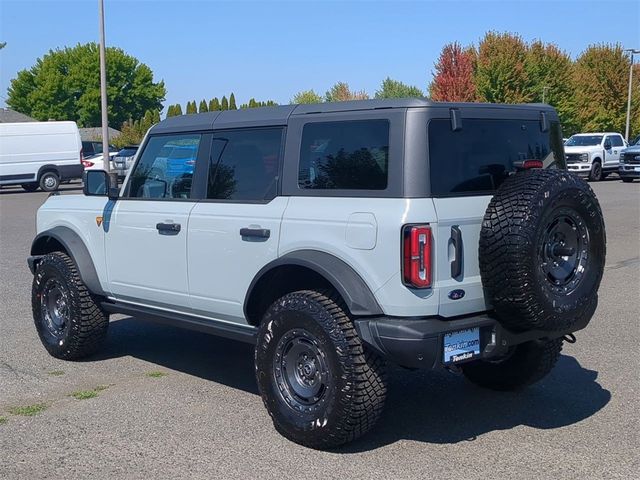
(271, 50)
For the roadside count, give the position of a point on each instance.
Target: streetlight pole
(103, 97)
(631, 52)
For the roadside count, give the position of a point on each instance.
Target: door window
(165, 169)
(245, 165)
(616, 140)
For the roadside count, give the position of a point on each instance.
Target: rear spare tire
(542, 250)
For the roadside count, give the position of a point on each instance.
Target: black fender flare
(48, 168)
(77, 250)
(356, 294)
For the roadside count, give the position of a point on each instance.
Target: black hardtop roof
(278, 115)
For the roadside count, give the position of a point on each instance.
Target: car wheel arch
(317, 269)
(68, 241)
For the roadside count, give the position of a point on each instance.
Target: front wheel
(69, 320)
(596, 172)
(320, 385)
(627, 179)
(523, 365)
(29, 187)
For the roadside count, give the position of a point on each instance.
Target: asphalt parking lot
(179, 404)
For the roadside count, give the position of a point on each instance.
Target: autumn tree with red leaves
(453, 78)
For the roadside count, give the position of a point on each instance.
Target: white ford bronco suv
(335, 237)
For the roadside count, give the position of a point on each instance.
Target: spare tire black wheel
(542, 250)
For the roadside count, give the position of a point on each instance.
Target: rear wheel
(49, 181)
(320, 385)
(29, 187)
(69, 320)
(523, 365)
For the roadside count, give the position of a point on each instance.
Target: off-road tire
(526, 364)
(595, 174)
(515, 245)
(30, 187)
(356, 380)
(85, 325)
(49, 181)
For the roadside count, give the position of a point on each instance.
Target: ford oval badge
(456, 294)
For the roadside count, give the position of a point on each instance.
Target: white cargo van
(39, 154)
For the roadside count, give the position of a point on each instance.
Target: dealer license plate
(461, 345)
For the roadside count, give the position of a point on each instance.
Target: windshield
(584, 140)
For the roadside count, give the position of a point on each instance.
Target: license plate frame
(461, 345)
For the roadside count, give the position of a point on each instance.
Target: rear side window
(476, 159)
(245, 164)
(165, 169)
(348, 155)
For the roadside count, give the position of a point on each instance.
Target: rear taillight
(87, 163)
(416, 256)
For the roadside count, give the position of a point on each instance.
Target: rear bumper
(418, 343)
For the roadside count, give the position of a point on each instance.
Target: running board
(213, 327)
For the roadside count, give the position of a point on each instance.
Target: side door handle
(168, 228)
(456, 239)
(255, 232)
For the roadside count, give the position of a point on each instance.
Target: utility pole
(631, 52)
(103, 99)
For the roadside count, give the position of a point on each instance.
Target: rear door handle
(456, 239)
(255, 232)
(168, 228)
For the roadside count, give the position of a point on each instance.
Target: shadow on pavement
(425, 406)
(13, 190)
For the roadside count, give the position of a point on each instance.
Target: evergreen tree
(191, 107)
(232, 102)
(177, 109)
(225, 104)
(214, 104)
(203, 106)
(170, 111)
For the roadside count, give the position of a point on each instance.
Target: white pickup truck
(594, 155)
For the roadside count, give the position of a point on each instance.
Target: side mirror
(96, 183)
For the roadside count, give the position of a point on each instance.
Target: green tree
(225, 104)
(550, 74)
(394, 89)
(170, 111)
(177, 109)
(306, 96)
(191, 107)
(133, 131)
(340, 92)
(65, 85)
(500, 74)
(203, 107)
(232, 102)
(214, 104)
(601, 80)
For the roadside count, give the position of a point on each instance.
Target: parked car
(630, 161)
(92, 148)
(594, 155)
(97, 162)
(123, 160)
(335, 238)
(39, 154)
